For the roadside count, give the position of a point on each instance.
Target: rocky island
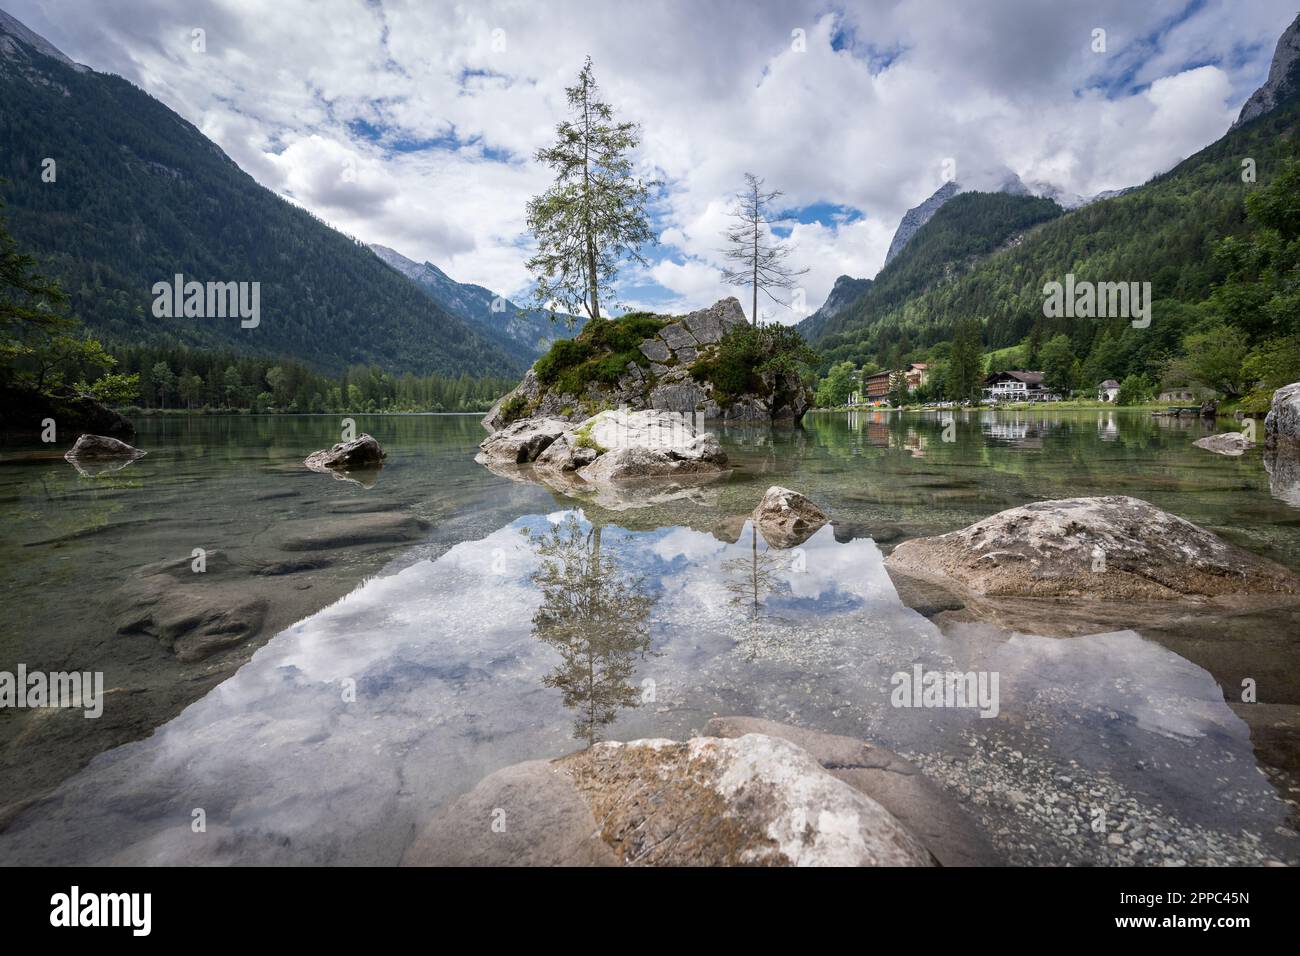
(711, 363)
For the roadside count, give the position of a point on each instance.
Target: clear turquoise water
(402, 677)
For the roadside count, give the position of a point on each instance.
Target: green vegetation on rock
(599, 354)
(751, 359)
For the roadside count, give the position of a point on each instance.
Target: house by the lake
(877, 386)
(1108, 391)
(1017, 386)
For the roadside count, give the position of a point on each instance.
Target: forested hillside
(967, 228)
(1168, 232)
(139, 195)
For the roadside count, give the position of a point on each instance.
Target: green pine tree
(593, 216)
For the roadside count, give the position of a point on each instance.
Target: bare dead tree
(758, 258)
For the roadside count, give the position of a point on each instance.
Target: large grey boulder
(625, 465)
(1112, 547)
(360, 453)
(708, 326)
(522, 441)
(636, 446)
(756, 800)
(102, 447)
(1282, 444)
(1283, 420)
(614, 448)
(651, 428)
(937, 820)
(788, 518)
(1233, 444)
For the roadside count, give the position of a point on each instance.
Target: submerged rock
(362, 452)
(348, 531)
(1225, 443)
(100, 446)
(755, 799)
(1113, 547)
(193, 614)
(788, 518)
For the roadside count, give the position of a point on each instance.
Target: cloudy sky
(412, 122)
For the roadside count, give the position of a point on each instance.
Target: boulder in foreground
(100, 446)
(921, 805)
(520, 442)
(1112, 547)
(786, 518)
(755, 799)
(359, 453)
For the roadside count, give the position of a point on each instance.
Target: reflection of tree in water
(750, 580)
(595, 618)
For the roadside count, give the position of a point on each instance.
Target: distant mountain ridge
(968, 227)
(844, 293)
(1166, 231)
(1283, 77)
(918, 216)
(1008, 183)
(530, 333)
(140, 195)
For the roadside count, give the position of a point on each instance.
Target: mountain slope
(1283, 77)
(918, 216)
(968, 227)
(846, 291)
(141, 195)
(1164, 232)
(528, 335)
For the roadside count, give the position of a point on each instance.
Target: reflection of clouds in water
(685, 543)
(450, 686)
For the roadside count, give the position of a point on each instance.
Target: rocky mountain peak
(918, 216)
(14, 35)
(1283, 77)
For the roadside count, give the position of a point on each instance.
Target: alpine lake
(375, 647)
